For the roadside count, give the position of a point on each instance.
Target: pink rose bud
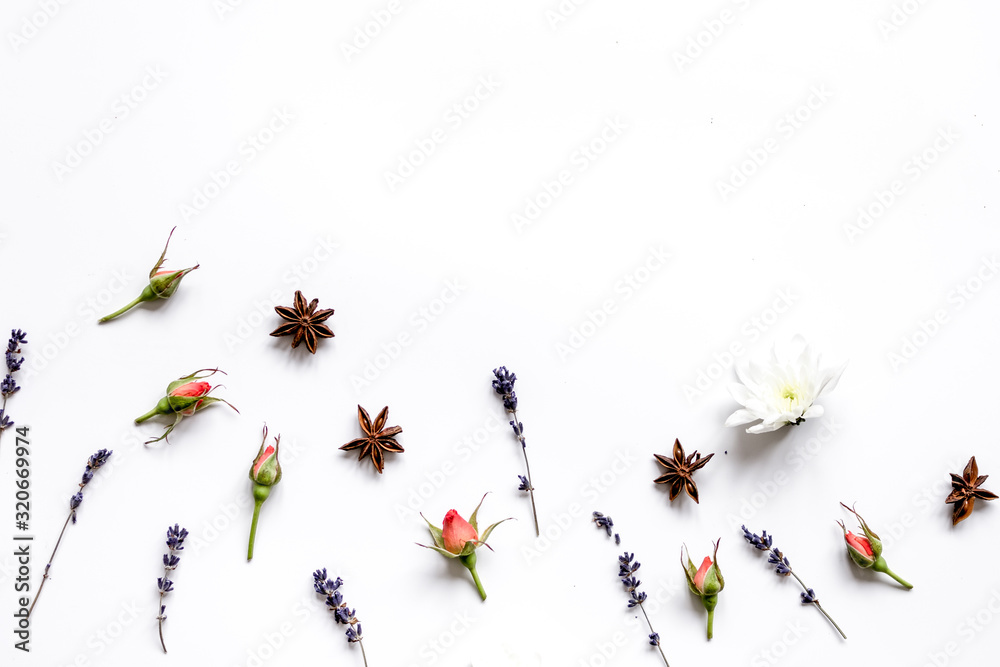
(265, 472)
(699, 577)
(706, 582)
(162, 284)
(860, 546)
(866, 552)
(456, 532)
(184, 397)
(458, 538)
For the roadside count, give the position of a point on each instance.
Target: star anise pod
(680, 470)
(304, 322)
(965, 490)
(377, 440)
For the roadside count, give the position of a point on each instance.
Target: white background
(79, 241)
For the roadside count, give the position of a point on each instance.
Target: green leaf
(486, 533)
(443, 552)
(436, 535)
(689, 570)
(163, 255)
(475, 512)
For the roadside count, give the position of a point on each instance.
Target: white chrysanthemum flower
(783, 391)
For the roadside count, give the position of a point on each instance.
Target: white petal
(740, 393)
(741, 417)
(813, 412)
(765, 427)
(747, 377)
(830, 381)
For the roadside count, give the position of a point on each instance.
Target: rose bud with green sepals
(706, 581)
(162, 284)
(184, 397)
(458, 538)
(264, 473)
(866, 552)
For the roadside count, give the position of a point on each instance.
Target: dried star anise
(304, 322)
(377, 440)
(680, 470)
(965, 490)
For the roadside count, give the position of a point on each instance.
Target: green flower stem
(149, 415)
(709, 602)
(146, 295)
(162, 408)
(470, 562)
(260, 494)
(881, 566)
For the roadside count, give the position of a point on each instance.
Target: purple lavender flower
(627, 567)
(503, 384)
(330, 589)
(8, 386)
(783, 568)
(175, 543)
(97, 460)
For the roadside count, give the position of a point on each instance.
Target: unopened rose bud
(184, 397)
(866, 552)
(457, 532)
(162, 284)
(458, 538)
(265, 472)
(706, 581)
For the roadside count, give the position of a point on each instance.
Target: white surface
(521, 294)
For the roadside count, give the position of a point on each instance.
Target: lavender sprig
(329, 588)
(627, 567)
(783, 568)
(503, 384)
(175, 543)
(97, 459)
(8, 386)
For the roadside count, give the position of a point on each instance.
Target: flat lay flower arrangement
(780, 392)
